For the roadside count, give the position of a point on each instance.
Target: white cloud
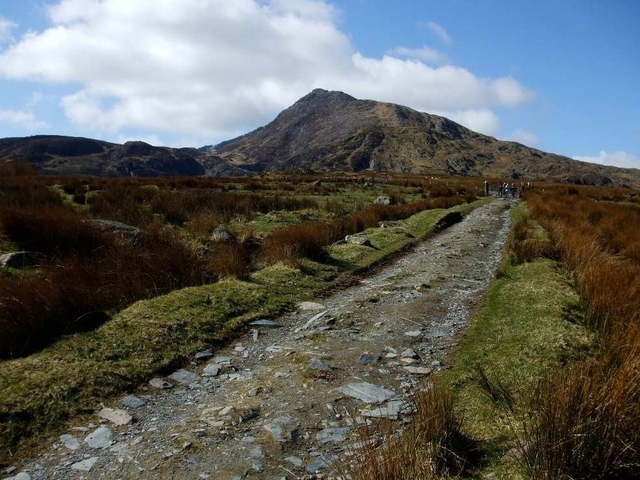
(5, 29)
(211, 70)
(440, 32)
(616, 159)
(425, 53)
(524, 136)
(480, 120)
(25, 119)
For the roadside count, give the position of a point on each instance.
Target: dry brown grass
(431, 446)
(584, 421)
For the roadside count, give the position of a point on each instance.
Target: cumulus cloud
(524, 136)
(480, 120)
(215, 69)
(23, 118)
(425, 53)
(440, 32)
(616, 159)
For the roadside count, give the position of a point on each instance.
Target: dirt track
(282, 404)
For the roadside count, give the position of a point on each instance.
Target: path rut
(282, 402)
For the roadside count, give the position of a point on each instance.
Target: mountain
(322, 131)
(332, 130)
(84, 156)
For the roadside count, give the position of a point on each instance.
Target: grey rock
(383, 200)
(20, 476)
(19, 259)
(203, 354)
(332, 435)
(220, 359)
(322, 462)
(277, 429)
(358, 240)
(212, 370)
(99, 438)
(318, 365)
(390, 411)
(117, 417)
(70, 441)
(222, 235)
(418, 370)
(160, 383)
(295, 461)
(265, 324)
(256, 452)
(409, 353)
(367, 358)
(310, 306)
(131, 401)
(367, 392)
(184, 377)
(414, 333)
(85, 465)
(113, 227)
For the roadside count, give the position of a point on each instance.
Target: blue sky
(557, 75)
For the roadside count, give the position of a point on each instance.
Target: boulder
(383, 200)
(19, 259)
(222, 235)
(115, 228)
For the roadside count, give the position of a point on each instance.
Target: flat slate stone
(266, 324)
(318, 365)
(131, 401)
(70, 441)
(332, 435)
(85, 465)
(160, 383)
(202, 354)
(222, 359)
(390, 411)
(414, 333)
(367, 358)
(212, 370)
(409, 353)
(99, 438)
(21, 476)
(294, 461)
(310, 306)
(418, 370)
(367, 392)
(117, 417)
(322, 462)
(184, 377)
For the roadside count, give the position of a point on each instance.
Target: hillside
(322, 131)
(332, 130)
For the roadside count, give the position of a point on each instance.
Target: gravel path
(283, 401)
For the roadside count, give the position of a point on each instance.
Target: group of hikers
(506, 190)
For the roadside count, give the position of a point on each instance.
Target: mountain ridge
(322, 131)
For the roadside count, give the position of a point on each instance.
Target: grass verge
(73, 375)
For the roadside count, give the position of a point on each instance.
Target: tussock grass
(432, 446)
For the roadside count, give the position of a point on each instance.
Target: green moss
(520, 333)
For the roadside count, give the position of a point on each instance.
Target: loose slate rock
(70, 441)
(367, 392)
(85, 465)
(160, 383)
(414, 333)
(117, 417)
(367, 358)
(332, 435)
(418, 370)
(322, 462)
(202, 354)
(184, 377)
(131, 401)
(266, 324)
(409, 353)
(389, 411)
(310, 306)
(100, 438)
(212, 370)
(318, 365)
(21, 476)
